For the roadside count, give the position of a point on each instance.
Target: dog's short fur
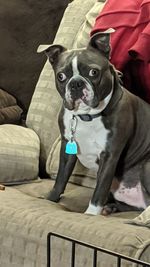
(116, 141)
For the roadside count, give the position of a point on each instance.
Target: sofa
(28, 166)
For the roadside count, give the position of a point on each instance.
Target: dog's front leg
(105, 176)
(66, 166)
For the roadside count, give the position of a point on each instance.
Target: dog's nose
(76, 85)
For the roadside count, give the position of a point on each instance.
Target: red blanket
(131, 41)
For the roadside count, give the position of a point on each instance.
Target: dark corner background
(24, 24)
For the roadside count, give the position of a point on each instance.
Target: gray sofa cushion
(19, 154)
(26, 221)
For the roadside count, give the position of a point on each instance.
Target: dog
(103, 125)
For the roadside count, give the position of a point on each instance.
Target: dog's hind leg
(113, 206)
(118, 206)
(130, 192)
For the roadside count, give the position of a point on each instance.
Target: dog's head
(83, 76)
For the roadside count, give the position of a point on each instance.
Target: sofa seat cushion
(26, 221)
(75, 198)
(19, 154)
(143, 219)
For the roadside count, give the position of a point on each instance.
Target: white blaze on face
(75, 73)
(75, 66)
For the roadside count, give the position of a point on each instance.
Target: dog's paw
(109, 208)
(53, 196)
(93, 210)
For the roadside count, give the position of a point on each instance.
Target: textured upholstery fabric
(143, 219)
(19, 154)
(10, 112)
(83, 35)
(46, 102)
(26, 220)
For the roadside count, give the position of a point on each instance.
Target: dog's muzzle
(76, 87)
(78, 90)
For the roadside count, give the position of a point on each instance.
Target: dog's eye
(61, 76)
(93, 72)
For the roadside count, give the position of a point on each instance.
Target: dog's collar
(89, 117)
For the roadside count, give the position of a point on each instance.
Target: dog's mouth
(80, 102)
(72, 104)
(73, 101)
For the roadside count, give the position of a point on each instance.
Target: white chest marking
(75, 66)
(91, 138)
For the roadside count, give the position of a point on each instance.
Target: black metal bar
(73, 254)
(118, 261)
(49, 250)
(106, 251)
(95, 258)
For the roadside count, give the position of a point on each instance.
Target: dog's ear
(51, 51)
(101, 41)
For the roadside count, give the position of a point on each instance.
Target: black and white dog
(107, 125)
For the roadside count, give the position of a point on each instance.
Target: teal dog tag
(71, 148)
